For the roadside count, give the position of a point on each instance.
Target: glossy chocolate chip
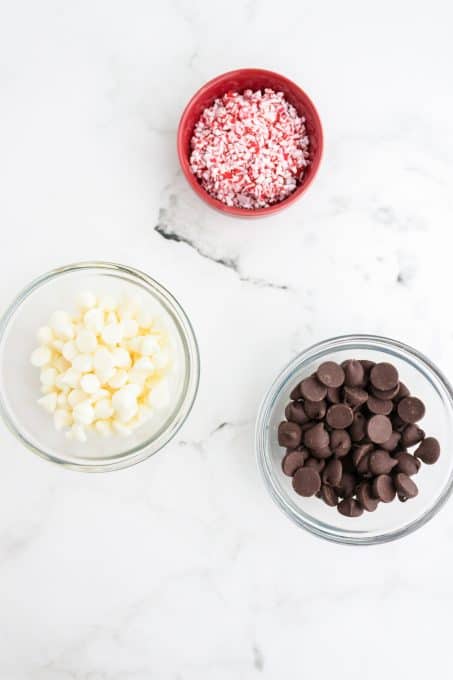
(333, 395)
(293, 460)
(379, 429)
(350, 507)
(411, 435)
(359, 452)
(381, 462)
(407, 463)
(428, 451)
(384, 376)
(316, 463)
(347, 485)
(312, 389)
(383, 488)
(316, 438)
(330, 374)
(380, 407)
(315, 410)
(306, 481)
(340, 443)
(354, 373)
(365, 498)
(402, 392)
(333, 472)
(295, 393)
(295, 413)
(355, 396)
(392, 442)
(358, 427)
(384, 394)
(289, 435)
(339, 416)
(328, 495)
(411, 409)
(405, 486)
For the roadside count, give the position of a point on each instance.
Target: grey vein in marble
(164, 230)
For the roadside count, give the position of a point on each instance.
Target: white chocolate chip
(78, 432)
(76, 397)
(70, 378)
(90, 383)
(86, 341)
(118, 379)
(83, 363)
(86, 300)
(48, 376)
(103, 409)
(69, 350)
(94, 320)
(41, 356)
(112, 333)
(62, 418)
(104, 427)
(121, 357)
(83, 413)
(45, 335)
(49, 402)
(149, 344)
(130, 328)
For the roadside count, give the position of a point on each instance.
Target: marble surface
(181, 568)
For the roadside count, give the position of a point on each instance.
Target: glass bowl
(392, 520)
(20, 384)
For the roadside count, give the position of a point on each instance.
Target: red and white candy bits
(250, 150)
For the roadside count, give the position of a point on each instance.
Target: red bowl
(240, 80)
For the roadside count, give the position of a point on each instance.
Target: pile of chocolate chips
(347, 435)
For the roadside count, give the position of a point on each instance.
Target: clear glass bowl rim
(141, 451)
(354, 342)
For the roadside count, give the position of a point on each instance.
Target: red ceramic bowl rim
(214, 202)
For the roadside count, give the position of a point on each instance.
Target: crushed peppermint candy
(250, 150)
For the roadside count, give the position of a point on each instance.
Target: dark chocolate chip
(358, 427)
(365, 497)
(385, 394)
(381, 462)
(428, 451)
(405, 486)
(384, 376)
(340, 443)
(328, 495)
(315, 410)
(295, 393)
(383, 488)
(360, 452)
(350, 507)
(330, 374)
(306, 481)
(355, 396)
(333, 472)
(347, 485)
(397, 423)
(392, 442)
(363, 467)
(411, 409)
(367, 366)
(402, 392)
(293, 461)
(339, 416)
(315, 463)
(316, 438)
(333, 395)
(380, 407)
(289, 435)
(322, 453)
(379, 429)
(312, 389)
(412, 435)
(407, 463)
(295, 413)
(354, 373)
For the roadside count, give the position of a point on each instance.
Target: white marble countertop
(182, 568)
